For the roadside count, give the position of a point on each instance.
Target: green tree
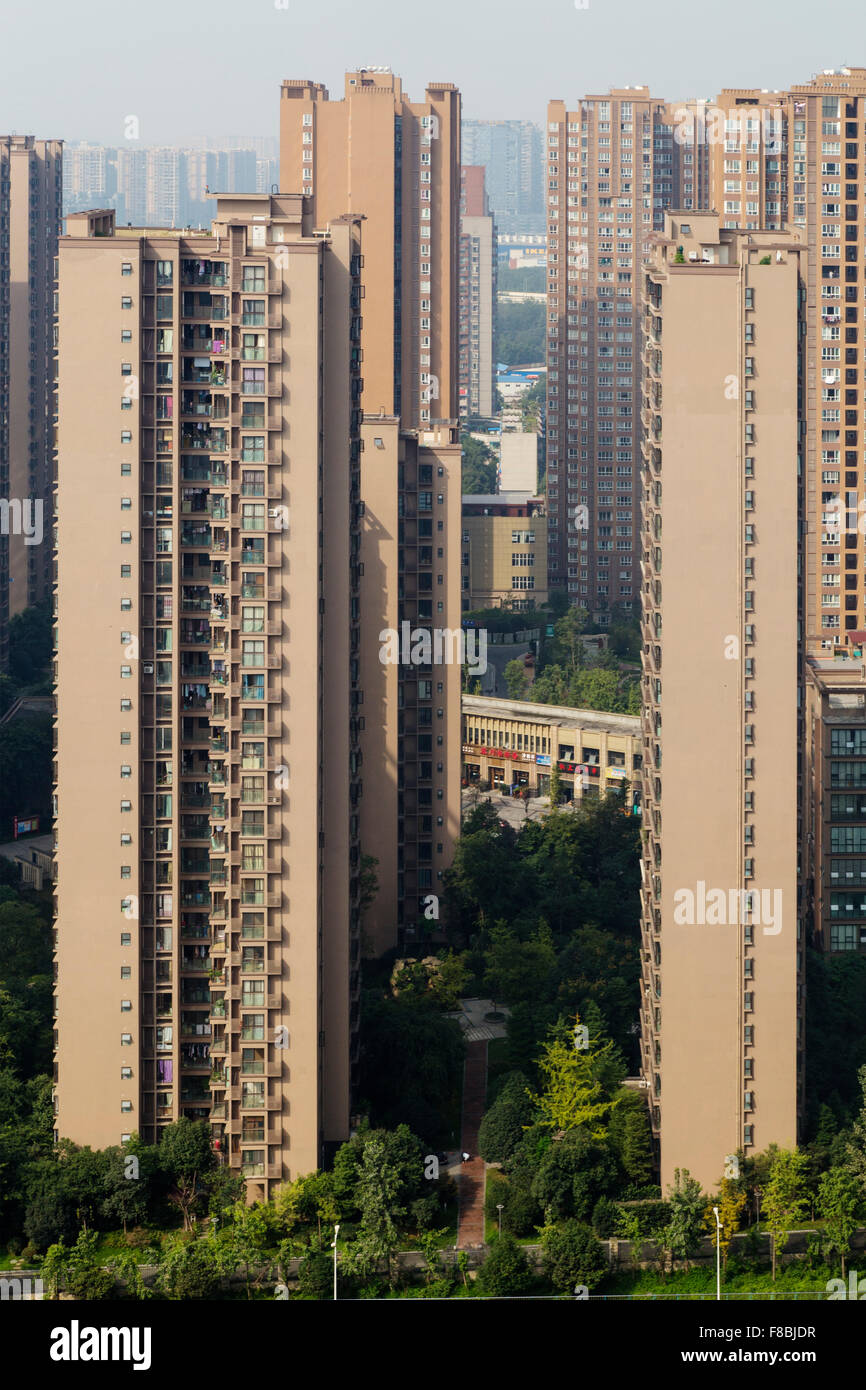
(31, 640)
(687, 1204)
(431, 1248)
(519, 970)
(637, 1154)
(839, 1202)
(479, 467)
(316, 1276)
(520, 333)
(505, 1270)
(411, 1062)
(516, 679)
(127, 1199)
(572, 1256)
(191, 1270)
(448, 980)
(785, 1198)
(855, 1153)
(50, 1209)
(572, 1096)
(731, 1204)
(25, 768)
(502, 1127)
(247, 1237)
(186, 1156)
(572, 1174)
(380, 1189)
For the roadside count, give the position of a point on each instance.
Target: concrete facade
(721, 935)
(396, 164)
(207, 766)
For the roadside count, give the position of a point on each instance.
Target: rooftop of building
(591, 719)
(845, 671)
(512, 503)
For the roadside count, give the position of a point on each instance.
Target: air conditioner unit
(148, 669)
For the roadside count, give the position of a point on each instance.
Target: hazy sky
(75, 69)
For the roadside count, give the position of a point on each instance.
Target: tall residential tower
(721, 1020)
(396, 164)
(207, 767)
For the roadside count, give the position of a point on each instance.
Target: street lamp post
(718, 1254)
(334, 1248)
(499, 1209)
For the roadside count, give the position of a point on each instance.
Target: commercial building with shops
(514, 744)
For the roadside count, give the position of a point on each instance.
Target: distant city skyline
(508, 60)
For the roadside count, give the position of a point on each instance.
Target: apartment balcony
(272, 319)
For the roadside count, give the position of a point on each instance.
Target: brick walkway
(470, 1222)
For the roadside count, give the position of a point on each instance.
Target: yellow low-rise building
(513, 745)
(504, 552)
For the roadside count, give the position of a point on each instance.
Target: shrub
(498, 1188)
(606, 1218)
(522, 1212)
(189, 1271)
(505, 1270)
(138, 1238)
(14, 1245)
(316, 1276)
(572, 1255)
(91, 1283)
(502, 1127)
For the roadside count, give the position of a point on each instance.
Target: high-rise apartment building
(31, 171)
(796, 159)
(132, 185)
(89, 176)
(396, 164)
(477, 297)
(512, 153)
(723, 318)
(612, 168)
(207, 767)
(834, 804)
(166, 187)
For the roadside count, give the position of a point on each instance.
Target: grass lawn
(790, 1278)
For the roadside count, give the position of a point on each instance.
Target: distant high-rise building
(207, 767)
(267, 175)
(513, 157)
(723, 315)
(201, 181)
(132, 181)
(89, 176)
(396, 163)
(31, 192)
(477, 297)
(166, 187)
(613, 166)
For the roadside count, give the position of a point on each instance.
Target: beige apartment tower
(396, 164)
(31, 195)
(721, 1034)
(207, 765)
(477, 297)
(611, 169)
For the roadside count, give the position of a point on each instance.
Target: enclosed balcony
(197, 273)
